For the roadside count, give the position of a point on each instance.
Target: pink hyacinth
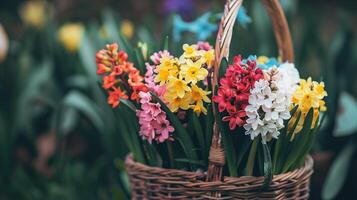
(204, 46)
(149, 81)
(155, 58)
(152, 119)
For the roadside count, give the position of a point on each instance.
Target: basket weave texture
(159, 183)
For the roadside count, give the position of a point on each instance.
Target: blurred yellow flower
(4, 44)
(308, 95)
(70, 35)
(262, 59)
(127, 28)
(33, 13)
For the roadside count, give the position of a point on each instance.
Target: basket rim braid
(160, 183)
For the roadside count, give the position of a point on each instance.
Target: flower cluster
(268, 107)
(234, 90)
(180, 81)
(258, 94)
(152, 120)
(120, 76)
(309, 94)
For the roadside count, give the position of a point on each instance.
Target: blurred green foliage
(48, 94)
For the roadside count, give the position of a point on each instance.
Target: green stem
(171, 157)
(251, 158)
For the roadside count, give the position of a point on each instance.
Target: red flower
(115, 96)
(234, 90)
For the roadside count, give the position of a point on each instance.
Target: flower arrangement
(259, 100)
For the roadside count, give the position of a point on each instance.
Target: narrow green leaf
(229, 150)
(85, 105)
(223, 67)
(338, 172)
(195, 162)
(251, 158)
(140, 61)
(268, 172)
(182, 135)
(300, 141)
(198, 130)
(166, 44)
(129, 104)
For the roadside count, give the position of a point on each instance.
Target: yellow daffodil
(199, 95)
(189, 51)
(33, 13)
(4, 44)
(165, 70)
(208, 56)
(199, 108)
(308, 95)
(193, 71)
(175, 102)
(70, 35)
(178, 87)
(127, 28)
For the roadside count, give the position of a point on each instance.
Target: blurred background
(60, 140)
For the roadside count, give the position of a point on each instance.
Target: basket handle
(224, 36)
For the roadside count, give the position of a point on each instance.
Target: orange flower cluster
(120, 76)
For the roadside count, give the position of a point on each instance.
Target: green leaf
(195, 162)
(86, 106)
(140, 60)
(229, 150)
(300, 140)
(198, 130)
(166, 44)
(251, 158)
(223, 67)
(338, 172)
(129, 104)
(268, 172)
(182, 135)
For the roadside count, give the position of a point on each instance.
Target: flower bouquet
(201, 127)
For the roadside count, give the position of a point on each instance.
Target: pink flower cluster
(234, 90)
(152, 120)
(149, 75)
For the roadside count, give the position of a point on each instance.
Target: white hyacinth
(269, 104)
(289, 77)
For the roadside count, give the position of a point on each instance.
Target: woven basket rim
(308, 166)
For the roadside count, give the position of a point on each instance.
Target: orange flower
(109, 81)
(119, 74)
(115, 96)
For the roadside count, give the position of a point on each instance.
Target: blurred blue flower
(243, 18)
(182, 7)
(202, 27)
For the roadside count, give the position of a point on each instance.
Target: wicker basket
(158, 183)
